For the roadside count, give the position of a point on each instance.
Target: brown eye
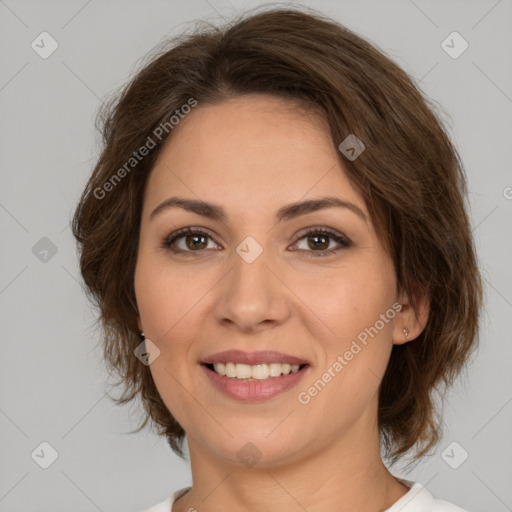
(318, 242)
(187, 240)
(195, 241)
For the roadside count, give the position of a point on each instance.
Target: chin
(260, 450)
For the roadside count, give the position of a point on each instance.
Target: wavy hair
(410, 175)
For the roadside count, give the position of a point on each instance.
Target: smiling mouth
(256, 372)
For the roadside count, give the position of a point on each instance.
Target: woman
(276, 237)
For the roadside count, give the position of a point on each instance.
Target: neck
(348, 474)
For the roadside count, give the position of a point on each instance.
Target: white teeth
(258, 371)
(230, 369)
(243, 371)
(275, 369)
(220, 368)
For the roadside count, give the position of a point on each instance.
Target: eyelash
(329, 233)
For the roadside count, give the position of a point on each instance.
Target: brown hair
(410, 176)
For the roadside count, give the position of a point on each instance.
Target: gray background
(52, 382)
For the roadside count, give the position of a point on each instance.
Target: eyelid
(320, 229)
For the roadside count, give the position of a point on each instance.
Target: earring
(142, 334)
(406, 333)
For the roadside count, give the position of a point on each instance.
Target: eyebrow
(290, 211)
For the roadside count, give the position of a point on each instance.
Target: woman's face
(266, 282)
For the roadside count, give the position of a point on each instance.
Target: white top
(418, 499)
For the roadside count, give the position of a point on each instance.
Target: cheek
(169, 301)
(352, 309)
(166, 301)
(166, 297)
(351, 299)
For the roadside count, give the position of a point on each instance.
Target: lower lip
(256, 390)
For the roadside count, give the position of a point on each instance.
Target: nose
(253, 296)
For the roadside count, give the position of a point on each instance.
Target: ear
(139, 324)
(407, 319)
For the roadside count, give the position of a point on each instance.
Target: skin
(253, 155)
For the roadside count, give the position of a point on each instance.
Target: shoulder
(446, 506)
(163, 506)
(166, 505)
(419, 499)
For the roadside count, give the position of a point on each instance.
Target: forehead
(250, 153)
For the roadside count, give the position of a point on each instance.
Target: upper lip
(253, 358)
